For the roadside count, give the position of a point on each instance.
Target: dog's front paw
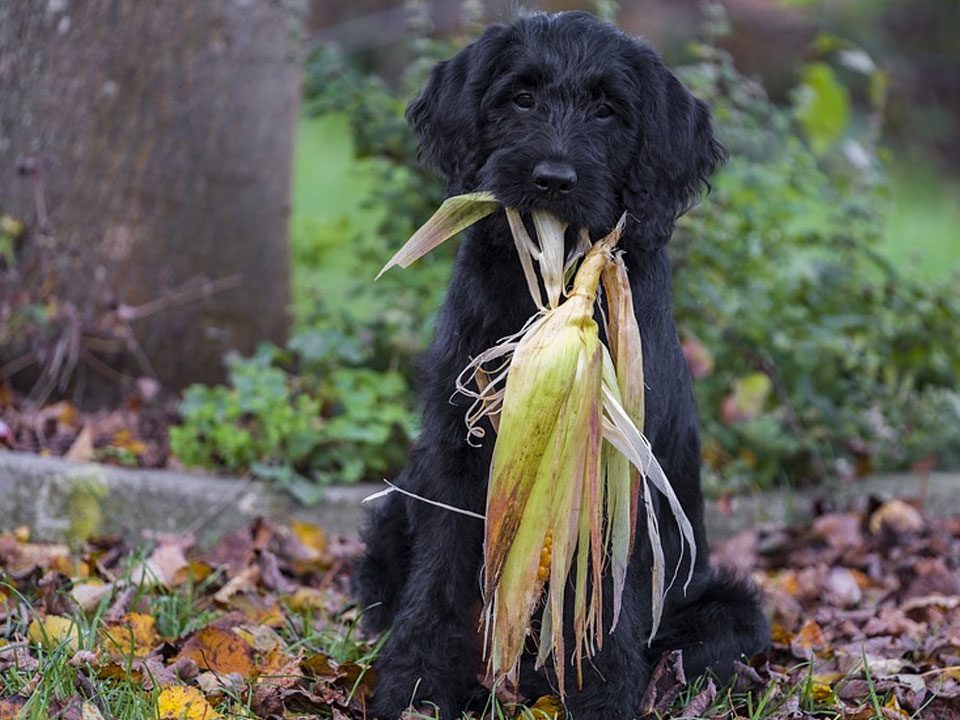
(398, 692)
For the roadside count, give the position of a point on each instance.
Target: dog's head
(569, 114)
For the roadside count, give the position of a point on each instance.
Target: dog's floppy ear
(445, 115)
(676, 154)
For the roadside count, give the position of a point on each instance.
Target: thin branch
(185, 294)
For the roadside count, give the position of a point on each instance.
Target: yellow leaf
(547, 708)
(312, 536)
(182, 702)
(134, 636)
(307, 598)
(820, 692)
(53, 631)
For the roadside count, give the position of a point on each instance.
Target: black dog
(566, 113)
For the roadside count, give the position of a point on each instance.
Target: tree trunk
(165, 132)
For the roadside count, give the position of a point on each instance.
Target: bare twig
(186, 293)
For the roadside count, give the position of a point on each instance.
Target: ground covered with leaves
(865, 608)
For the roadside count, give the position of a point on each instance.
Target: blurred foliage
(329, 422)
(778, 273)
(815, 358)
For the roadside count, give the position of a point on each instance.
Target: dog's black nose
(555, 178)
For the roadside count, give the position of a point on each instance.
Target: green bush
(815, 358)
(327, 422)
(778, 277)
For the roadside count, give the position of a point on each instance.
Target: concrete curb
(57, 498)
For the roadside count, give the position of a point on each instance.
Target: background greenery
(815, 288)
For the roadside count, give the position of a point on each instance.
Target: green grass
(924, 222)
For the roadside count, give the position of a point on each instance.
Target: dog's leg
(383, 572)
(432, 654)
(725, 623)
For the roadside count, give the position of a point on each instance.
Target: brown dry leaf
(83, 657)
(354, 675)
(220, 650)
(19, 558)
(809, 641)
(166, 563)
(127, 441)
(134, 636)
(319, 665)
(10, 707)
(897, 516)
(863, 712)
(182, 702)
(89, 711)
(841, 588)
(701, 701)
(666, 682)
(260, 609)
(244, 581)
(214, 684)
(261, 638)
(90, 593)
(281, 669)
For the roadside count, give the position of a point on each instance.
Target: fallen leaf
(312, 536)
(307, 598)
(701, 701)
(183, 702)
(809, 640)
(82, 448)
(665, 684)
(54, 630)
(90, 593)
(134, 636)
(897, 516)
(261, 638)
(547, 707)
(220, 650)
(11, 706)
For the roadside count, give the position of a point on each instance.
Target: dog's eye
(604, 111)
(524, 100)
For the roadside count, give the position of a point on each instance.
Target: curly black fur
(563, 112)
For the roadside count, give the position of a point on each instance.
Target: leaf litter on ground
(865, 610)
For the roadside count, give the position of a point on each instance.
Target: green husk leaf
(455, 214)
(542, 376)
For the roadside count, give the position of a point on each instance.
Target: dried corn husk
(570, 466)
